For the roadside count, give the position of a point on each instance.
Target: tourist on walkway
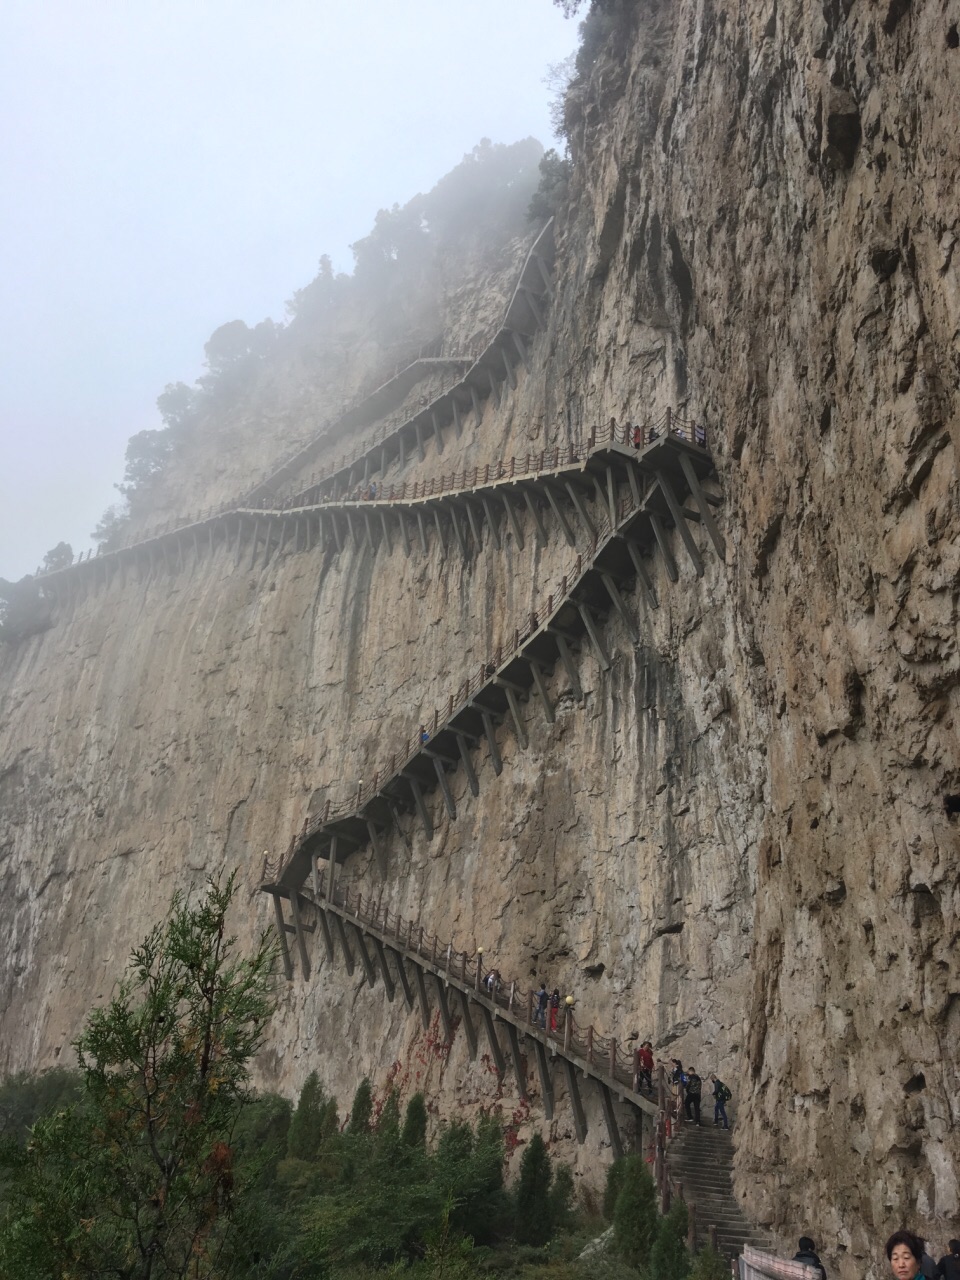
(645, 1064)
(721, 1096)
(555, 1014)
(807, 1254)
(905, 1254)
(493, 983)
(691, 1103)
(543, 1000)
(948, 1267)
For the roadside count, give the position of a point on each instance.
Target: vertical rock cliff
(741, 839)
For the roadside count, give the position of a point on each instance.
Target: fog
(171, 166)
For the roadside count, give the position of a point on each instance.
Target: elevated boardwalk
(630, 529)
(399, 954)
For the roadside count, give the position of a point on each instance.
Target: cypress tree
(415, 1123)
(669, 1259)
(306, 1134)
(533, 1221)
(635, 1213)
(362, 1109)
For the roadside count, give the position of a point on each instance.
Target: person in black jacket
(948, 1268)
(692, 1101)
(807, 1254)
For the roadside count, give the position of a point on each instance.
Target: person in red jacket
(645, 1064)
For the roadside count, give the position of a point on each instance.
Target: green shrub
(669, 1259)
(635, 1217)
(533, 1219)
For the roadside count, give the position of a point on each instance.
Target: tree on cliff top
(138, 1179)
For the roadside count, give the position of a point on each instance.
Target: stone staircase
(700, 1160)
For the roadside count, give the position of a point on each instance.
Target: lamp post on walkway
(479, 967)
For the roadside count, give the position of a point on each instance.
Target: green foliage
(615, 1176)
(635, 1216)
(178, 406)
(561, 1194)
(533, 1224)
(24, 1098)
(23, 610)
(669, 1259)
(554, 175)
(313, 1121)
(708, 1264)
(388, 1122)
(137, 1179)
(415, 1123)
(59, 557)
(109, 533)
(361, 1112)
(148, 453)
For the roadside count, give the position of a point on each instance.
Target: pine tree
(533, 1224)
(307, 1128)
(362, 1109)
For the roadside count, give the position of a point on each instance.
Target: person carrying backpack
(721, 1096)
(692, 1102)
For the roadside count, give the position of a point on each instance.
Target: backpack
(694, 1084)
(725, 1094)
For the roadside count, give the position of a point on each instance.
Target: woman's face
(902, 1263)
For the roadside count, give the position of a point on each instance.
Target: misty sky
(168, 165)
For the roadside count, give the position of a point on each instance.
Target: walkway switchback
(632, 529)
(486, 375)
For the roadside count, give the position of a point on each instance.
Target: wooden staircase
(700, 1164)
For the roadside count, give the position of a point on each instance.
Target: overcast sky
(168, 165)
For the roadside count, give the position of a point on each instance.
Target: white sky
(167, 165)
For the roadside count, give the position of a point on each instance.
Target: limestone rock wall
(737, 843)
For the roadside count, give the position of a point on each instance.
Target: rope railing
(634, 435)
(429, 723)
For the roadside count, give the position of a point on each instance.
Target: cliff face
(737, 842)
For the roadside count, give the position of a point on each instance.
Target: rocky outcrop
(743, 839)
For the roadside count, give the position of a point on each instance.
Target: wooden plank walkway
(400, 955)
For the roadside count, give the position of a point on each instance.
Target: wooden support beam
(378, 850)
(613, 591)
(282, 935)
(445, 788)
(455, 522)
(422, 996)
(423, 533)
(594, 634)
(369, 971)
(576, 1102)
(467, 759)
(492, 743)
(562, 520)
(438, 434)
(536, 516)
(380, 953)
(336, 531)
(541, 688)
(405, 537)
(491, 522)
(253, 549)
(660, 533)
(566, 657)
(703, 506)
(444, 1008)
(367, 522)
(494, 387)
(386, 531)
(534, 306)
(495, 1051)
(467, 1021)
(683, 527)
(577, 499)
(301, 936)
(518, 1070)
(474, 526)
(477, 409)
(344, 944)
(419, 802)
(440, 533)
(457, 423)
(612, 496)
(419, 430)
(546, 1084)
(646, 585)
(514, 706)
(403, 452)
(403, 976)
(511, 376)
(613, 1129)
(544, 274)
(521, 346)
(327, 935)
(514, 522)
(331, 866)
